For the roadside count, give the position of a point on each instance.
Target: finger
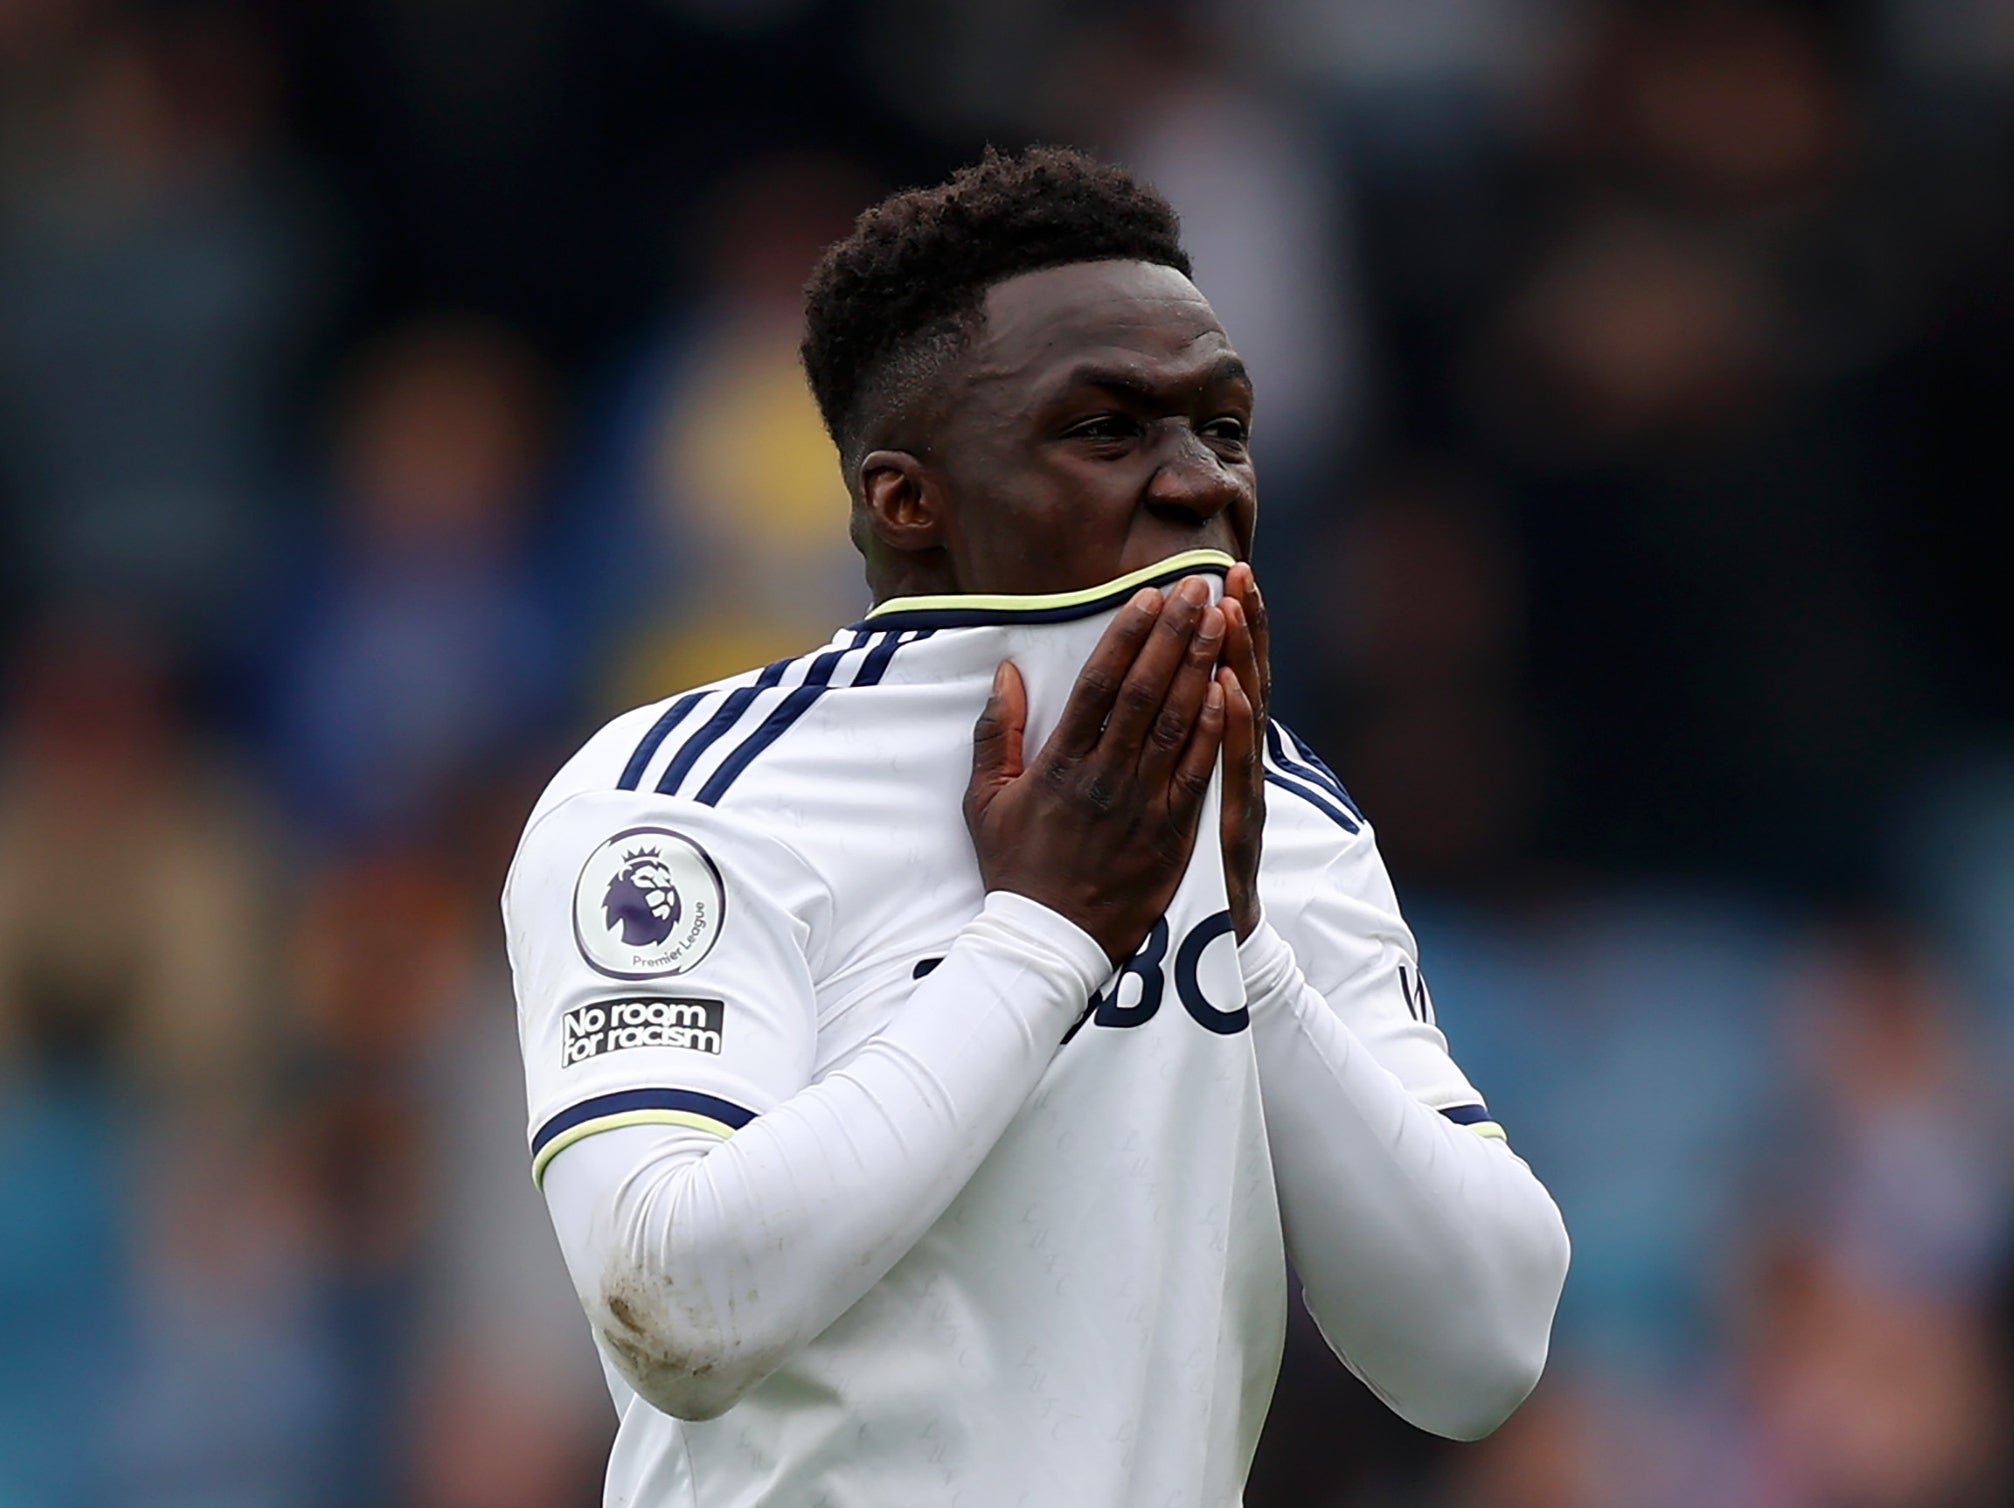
(1191, 781)
(996, 738)
(1145, 688)
(1262, 648)
(1241, 654)
(1243, 583)
(1098, 682)
(1244, 766)
(1243, 739)
(1169, 733)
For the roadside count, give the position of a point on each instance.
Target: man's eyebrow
(1127, 382)
(1230, 369)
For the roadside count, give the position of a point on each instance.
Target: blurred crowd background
(390, 390)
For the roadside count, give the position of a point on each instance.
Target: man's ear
(902, 501)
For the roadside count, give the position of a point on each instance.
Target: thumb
(996, 737)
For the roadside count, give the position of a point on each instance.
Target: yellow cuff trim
(585, 1129)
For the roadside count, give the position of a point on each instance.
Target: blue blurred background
(391, 389)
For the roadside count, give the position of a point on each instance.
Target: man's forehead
(1058, 313)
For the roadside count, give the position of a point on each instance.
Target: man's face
(1097, 424)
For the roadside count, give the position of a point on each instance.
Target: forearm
(705, 1263)
(1430, 1256)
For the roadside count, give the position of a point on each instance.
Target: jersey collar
(957, 610)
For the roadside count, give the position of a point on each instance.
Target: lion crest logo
(648, 903)
(642, 899)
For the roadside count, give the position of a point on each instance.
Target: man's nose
(1190, 475)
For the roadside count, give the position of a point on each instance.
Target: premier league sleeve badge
(648, 904)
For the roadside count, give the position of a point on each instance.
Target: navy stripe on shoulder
(816, 683)
(626, 1100)
(1321, 767)
(715, 727)
(675, 714)
(877, 663)
(795, 705)
(1318, 775)
(1320, 803)
(1468, 1115)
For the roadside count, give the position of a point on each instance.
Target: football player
(938, 1043)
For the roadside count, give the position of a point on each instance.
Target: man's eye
(1227, 429)
(1104, 427)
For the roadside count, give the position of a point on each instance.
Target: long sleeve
(1430, 1256)
(705, 1262)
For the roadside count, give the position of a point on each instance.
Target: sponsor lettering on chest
(1203, 977)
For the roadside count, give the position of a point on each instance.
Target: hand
(1100, 826)
(1247, 681)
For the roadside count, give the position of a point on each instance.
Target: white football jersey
(724, 895)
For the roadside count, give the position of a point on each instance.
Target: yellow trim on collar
(1048, 601)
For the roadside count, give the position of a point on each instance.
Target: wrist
(1267, 964)
(1041, 929)
(1115, 926)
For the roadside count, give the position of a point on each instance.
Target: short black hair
(886, 305)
